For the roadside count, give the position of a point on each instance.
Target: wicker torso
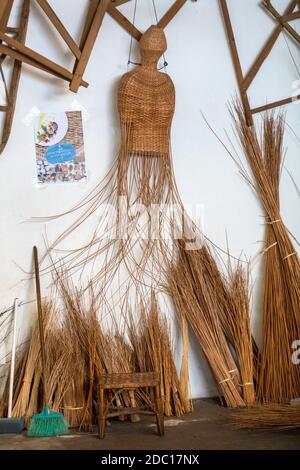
(146, 102)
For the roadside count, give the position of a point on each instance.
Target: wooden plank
(60, 27)
(3, 4)
(15, 78)
(165, 20)
(35, 58)
(93, 5)
(236, 61)
(249, 77)
(88, 22)
(117, 3)
(275, 104)
(291, 17)
(27, 60)
(89, 44)
(124, 22)
(268, 6)
(5, 10)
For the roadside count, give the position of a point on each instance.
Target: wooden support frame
(130, 28)
(88, 45)
(173, 10)
(9, 109)
(283, 20)
(60, 27)
(17, 50)
(244, 81)
(124, 22)
(12, 44)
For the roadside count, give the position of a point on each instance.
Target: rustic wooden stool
(129, 382)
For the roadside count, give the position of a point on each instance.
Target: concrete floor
(207, 428)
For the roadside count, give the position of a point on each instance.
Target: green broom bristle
(48, 423)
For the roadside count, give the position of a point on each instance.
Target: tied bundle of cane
(238, 319)
(232, 304)
(196, 301)
(268, 418)
(279, 378)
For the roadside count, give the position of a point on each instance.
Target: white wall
(201, 67)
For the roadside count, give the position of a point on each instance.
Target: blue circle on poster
(60, 153)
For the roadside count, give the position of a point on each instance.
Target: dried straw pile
(268, 418)
(78, 349)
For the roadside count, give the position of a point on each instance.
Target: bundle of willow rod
(268, 418)
(232, 306)
(196, 300)
(279, 378)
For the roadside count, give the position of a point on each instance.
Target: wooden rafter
(244, 81)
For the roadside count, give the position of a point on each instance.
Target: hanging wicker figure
(140, 184)
(134, 244)
(146, 103)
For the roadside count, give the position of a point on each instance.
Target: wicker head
(146, 102)
(152, 45)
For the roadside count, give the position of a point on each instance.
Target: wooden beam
(39, 62)
(291, 17)
(123, 22)
(275, 104)
(15, 78)
(236, 62)
(267, 48)
(269, 7)
(117, 3)
(5, 10)
(60, 27)
(89, 44)
(93, 5)
(165, 20)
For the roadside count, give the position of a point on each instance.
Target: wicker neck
(152, 65)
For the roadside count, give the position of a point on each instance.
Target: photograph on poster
(59, 147)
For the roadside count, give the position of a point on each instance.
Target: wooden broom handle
(40, 315)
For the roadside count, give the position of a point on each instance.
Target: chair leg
(101, 414)
(133, 418)
(159, 411)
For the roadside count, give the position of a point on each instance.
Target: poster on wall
(59, 147)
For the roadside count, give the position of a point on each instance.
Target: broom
(46, 423)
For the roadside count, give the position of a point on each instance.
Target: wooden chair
(129, 382)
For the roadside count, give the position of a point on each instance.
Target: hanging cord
(291, 54)
(130, 62)
(156, 19)
(131, 38)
